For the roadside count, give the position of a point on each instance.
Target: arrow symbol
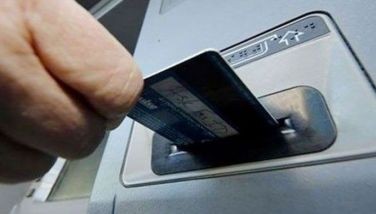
(285, 38)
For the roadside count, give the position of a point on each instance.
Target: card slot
(306, 126)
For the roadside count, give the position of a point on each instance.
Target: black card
(201, 100)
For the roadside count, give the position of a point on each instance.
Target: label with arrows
(278, 40)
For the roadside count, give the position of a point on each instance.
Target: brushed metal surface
(324, 63)
(345, 187)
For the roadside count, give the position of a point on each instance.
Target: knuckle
(128, 94)
(120, 92)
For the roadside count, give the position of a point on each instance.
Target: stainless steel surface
(29, 206)
(77, 178)
(102, 7)
(329, 65)
(48, 181)
(193, 26)
(11, 195)
(98, 7)
(66, 188)
(168, 5)
(344, 187)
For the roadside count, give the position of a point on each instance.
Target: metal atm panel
(308, 51)
(172, 33)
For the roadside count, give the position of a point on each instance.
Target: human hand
(64, 80)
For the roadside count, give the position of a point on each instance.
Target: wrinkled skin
(64, 81)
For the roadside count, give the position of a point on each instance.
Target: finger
(35, 110)
(19, 163)
(76, 49)
(39, 113)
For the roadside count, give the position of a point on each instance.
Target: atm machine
(310, 61)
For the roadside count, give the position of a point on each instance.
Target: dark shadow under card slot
(307, 127)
